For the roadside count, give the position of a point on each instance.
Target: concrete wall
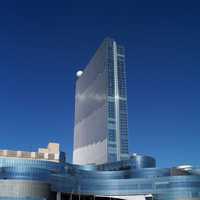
(23, 189)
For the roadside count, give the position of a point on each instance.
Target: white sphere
(79, 73)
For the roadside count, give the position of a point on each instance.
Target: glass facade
(27, 179)
(101, 133)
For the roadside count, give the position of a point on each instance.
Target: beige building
(51, 153)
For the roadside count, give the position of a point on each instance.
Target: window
(120, 50)
(111, 109)
(111, 82)
(123, 106)
(112, 145)
(112, 135)
(112, 157)
(111, 122)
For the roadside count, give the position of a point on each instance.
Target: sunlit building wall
(100, 133)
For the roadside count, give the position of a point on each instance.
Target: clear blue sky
(44, 42)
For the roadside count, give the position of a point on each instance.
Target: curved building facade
(44, 180)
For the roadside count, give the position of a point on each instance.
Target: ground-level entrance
(71, 196)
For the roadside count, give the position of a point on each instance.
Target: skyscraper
(100, 133)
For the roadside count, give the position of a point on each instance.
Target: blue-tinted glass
(112, 135)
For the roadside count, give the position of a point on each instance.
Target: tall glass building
(100, 133)
(100, 136)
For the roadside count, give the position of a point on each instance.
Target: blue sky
(43, 44)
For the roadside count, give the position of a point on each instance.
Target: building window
(112, 157)
(121, 76)
(111, 79)
(123, 106)
(112, 145)
(111, 122)
(111, 109)
(120, 50)
(112, 135)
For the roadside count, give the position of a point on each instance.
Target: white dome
(185, 167)
(79, 73)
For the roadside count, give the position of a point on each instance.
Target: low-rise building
(27, 177)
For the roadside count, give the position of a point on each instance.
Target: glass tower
(100, 133)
